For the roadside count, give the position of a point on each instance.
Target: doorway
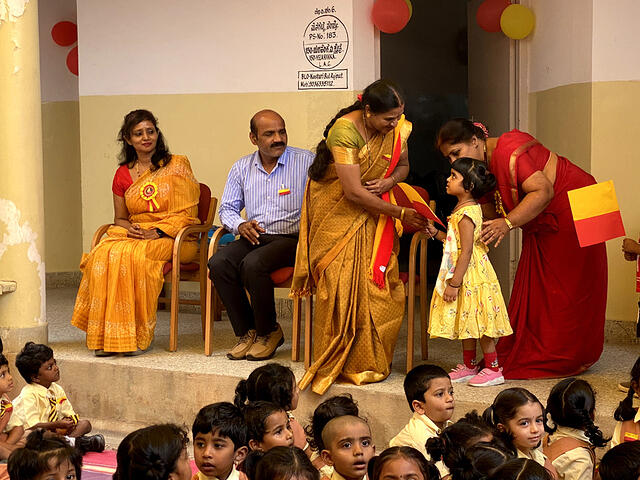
(449, 67)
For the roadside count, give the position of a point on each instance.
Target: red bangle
(455, 286)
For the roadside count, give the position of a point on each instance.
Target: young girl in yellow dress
(467, 302)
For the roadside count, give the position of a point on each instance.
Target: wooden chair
(175, 272)
(418, 242)
(281, 279)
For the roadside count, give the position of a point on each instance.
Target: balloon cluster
(516, 21)
(65, 34)
(391, 16)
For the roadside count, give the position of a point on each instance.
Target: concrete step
(119, 394)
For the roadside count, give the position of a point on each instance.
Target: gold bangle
(509, 224)
(402, 214)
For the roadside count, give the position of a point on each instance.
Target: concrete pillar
(22, 312)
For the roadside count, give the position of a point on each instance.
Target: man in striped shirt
(269, 185)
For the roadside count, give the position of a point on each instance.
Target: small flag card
(596, 213)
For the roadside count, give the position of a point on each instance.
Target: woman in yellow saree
(347, 245)
(155, 194)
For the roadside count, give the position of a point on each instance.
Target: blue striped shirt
(261, 194)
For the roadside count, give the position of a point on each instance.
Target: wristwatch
(160, 233)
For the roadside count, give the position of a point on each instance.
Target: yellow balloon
(517, 21)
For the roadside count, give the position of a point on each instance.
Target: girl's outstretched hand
(431, 229)
(450, 294)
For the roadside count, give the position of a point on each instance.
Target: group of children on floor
(258, 438)
(42, 404)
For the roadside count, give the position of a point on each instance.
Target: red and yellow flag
(596, 213)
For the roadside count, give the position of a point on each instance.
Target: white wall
(205, 46)
(57, 82)
(616, 38)
(559, 49)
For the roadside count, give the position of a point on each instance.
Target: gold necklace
(366, 136)
(138, 168)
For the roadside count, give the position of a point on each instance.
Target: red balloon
(391, 16)
(64, 33)
(72, 61)
(489, 12)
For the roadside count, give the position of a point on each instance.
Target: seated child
(42, 403)
(622, 462)
(158, 452)
(285, 463)
(348, 447)
(277, 384)
(628, 417)
(45, 457)
(430, 395)
(219, 442)
(268, 426)
(519, 416)
(573, 436)
(397, 463)
(329, 409)
(9, 436)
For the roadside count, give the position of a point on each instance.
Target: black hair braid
(242, 394)
(157, 469)
(323, 156)
(592, 431)
(488, 416)
(435, 447)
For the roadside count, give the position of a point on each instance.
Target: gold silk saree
(122, 277)
(356, 322)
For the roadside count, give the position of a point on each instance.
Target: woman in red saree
(558, 301)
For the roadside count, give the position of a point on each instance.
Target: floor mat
(100, 466)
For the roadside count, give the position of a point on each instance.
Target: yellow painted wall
(615, 156)
(62, 186)
(595, 126)
(561, 119)
(211, 129)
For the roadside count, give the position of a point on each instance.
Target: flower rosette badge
(148, 193)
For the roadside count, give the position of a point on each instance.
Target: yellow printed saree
(356, 322)
(122, 277)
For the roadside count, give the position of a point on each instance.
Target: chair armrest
(189, 229)
(215, 240)
(99, 234)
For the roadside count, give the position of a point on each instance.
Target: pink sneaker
(487, 378)
(462, 373)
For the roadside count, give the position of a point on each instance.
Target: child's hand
(65, 424)
(431, 229)
(450, 294)
(630, 248)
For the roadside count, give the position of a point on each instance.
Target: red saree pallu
(558, 302)
(383, 241)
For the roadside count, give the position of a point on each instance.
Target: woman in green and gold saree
(348, 241)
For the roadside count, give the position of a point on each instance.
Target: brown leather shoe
(245, 342)
(265, 347)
